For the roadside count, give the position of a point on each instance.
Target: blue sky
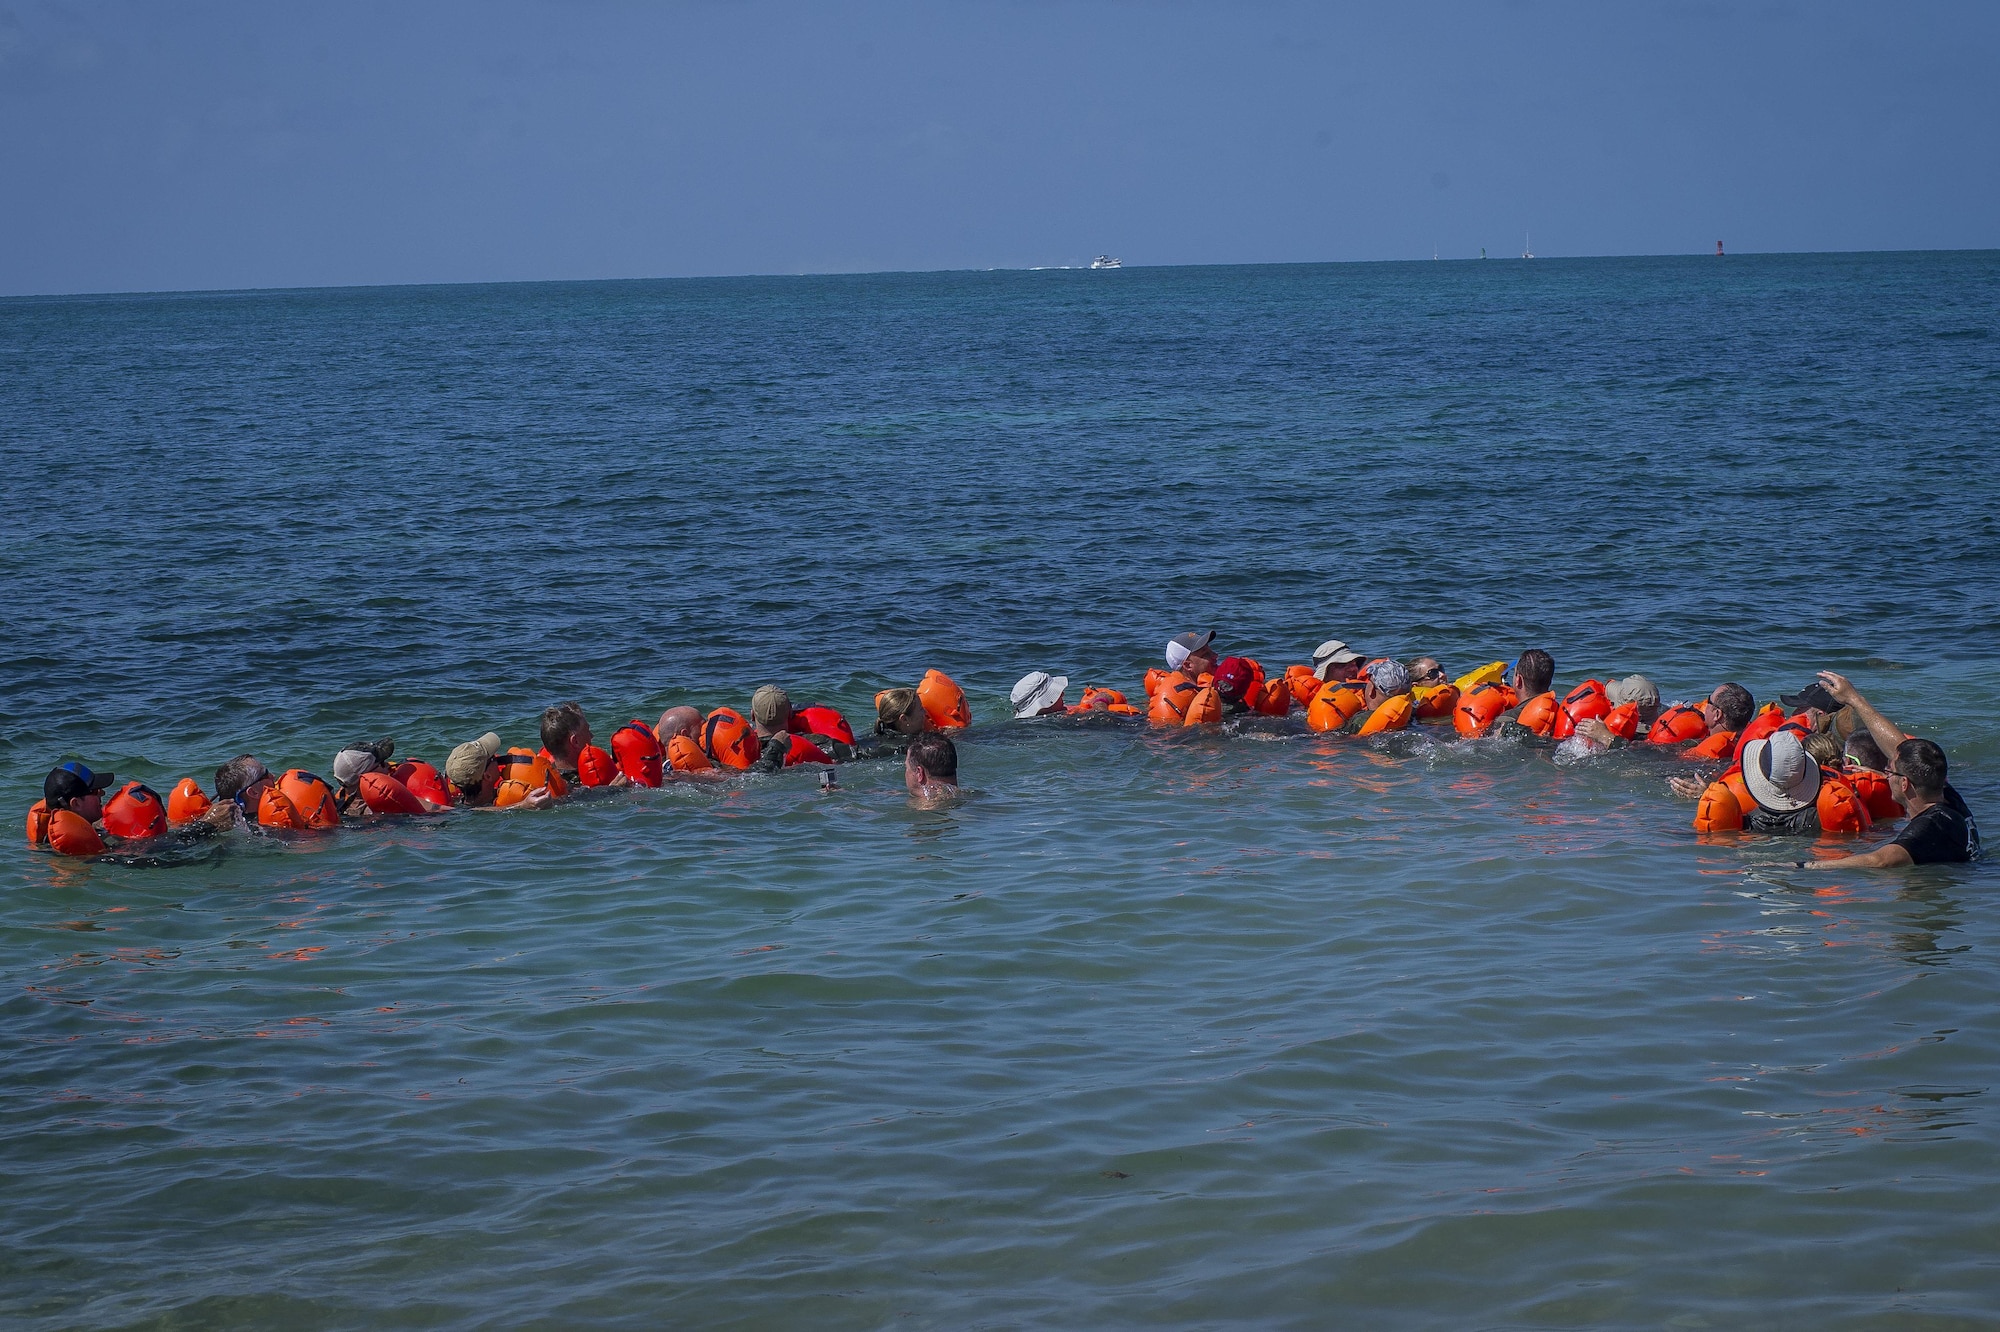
(197, 145)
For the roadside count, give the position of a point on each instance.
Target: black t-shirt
(1943, 834)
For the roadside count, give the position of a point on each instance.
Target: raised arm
(1887, 734)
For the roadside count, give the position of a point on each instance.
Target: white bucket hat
(1035, 691)
(1779, 773)
(1333, 652)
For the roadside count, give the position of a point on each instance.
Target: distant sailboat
(1527, 250)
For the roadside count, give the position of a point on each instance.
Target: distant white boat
(1106, 261)
(1527, 250)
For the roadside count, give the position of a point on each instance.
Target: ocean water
(1252, 1027)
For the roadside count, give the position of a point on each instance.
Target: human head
(900, 712)
(770, 709)
(75, 787)
(1823, 748)
(1038, 694)
(1814, 701)
(564, 731)
(1232, 678)
(1636, 689)
(1426, 671)
(1863, 752)
(243, 780)
(1534, 673)
(1386, 678)
(1334, 660)
(1920, 768)
(1192, 654)
(932, 760)
(361, 757)
(471, 768)
(1729, 708)
(682, 720)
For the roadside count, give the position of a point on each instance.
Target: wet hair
(1823, 748)
(1920, 762)
(936, 755)
(233, 778)
(891, 706)
(1537, 670)
(1862, 749)
(1733, 701)
(560, 725)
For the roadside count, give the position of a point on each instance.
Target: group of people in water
(1822, 762)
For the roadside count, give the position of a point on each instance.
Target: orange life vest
(1303, 684)
(1720, 745)
(1480, 708)
(1170, 698)
(803, 751)
(1718, 811)
(1623, 721)
(685, 754)
(1270, 698)
(64, 831)
(1586, 702)
(944, 701)
(1768, 719)
(383, 794)
(822, 720)
(1105, 700)
(135, 813)
(1335, 705)
(729, 741)
(639, 754)
(1678, 725)
(1393, 714)
(298, 800)
(522, 773)
(424, 781)
(1539, 714)
(1841, 813)
(1873, 788)
(1204, 708)
(1435, 701)
(187, 802)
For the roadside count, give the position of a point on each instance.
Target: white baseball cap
(1185, 646)
(1035, 691)
(1779, 773)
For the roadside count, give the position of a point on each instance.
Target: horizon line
(924, 272)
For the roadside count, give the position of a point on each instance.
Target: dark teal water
(1149, 1030)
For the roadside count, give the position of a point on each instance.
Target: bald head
(682, 720)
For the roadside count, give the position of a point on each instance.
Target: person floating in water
(930, 770)
(1941, 829)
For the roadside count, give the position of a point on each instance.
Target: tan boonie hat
(768, 705)
(467, 764)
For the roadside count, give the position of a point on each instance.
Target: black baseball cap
(1814, 695)
(68, 781)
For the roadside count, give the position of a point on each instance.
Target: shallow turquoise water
(1257, 1027)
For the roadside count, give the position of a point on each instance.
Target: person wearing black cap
(66, 818)
(1940, 829)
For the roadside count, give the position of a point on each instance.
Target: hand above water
(1840, 687)
(1688, 788)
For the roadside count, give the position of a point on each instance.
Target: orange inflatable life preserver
(1733, 779)
(1435, 701)
(1841, 812)
(1480, 708)
(1873, 788)
(1539, 714)
(804, 751)
(1586, 702)
(1303, 684)
(310, 799)
(275, 810)
(639, 756)
(1271, 698)
(383, 794)
(729, 741)
(136, 812)
(1205, 708)
(1105, 700)
(63, 831)
(822, 720)
(1335, 705)
(1720, 745)
(1170, 699)
(944, 701)
(685, 754)
(1718, 810)
(1153, 678)
(594, 767)
(523, 772)
(187, 802)
(1679, 725)
(424, 782)
(1623, 721)
(1767, 721)
(1392, 715)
